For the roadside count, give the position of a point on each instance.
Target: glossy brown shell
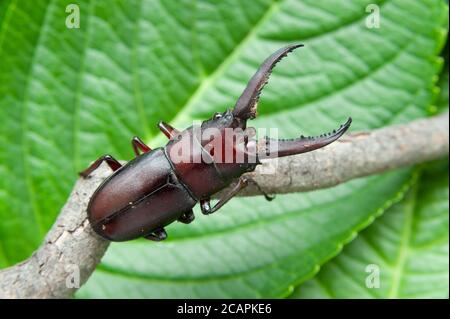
(197, 168)
(140, 197)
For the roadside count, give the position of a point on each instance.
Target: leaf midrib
(24, 145)
(137, 90)
(76, 109)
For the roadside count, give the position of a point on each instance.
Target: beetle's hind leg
(157, 235)
(187, 217)
(138, 144)
(111, 161)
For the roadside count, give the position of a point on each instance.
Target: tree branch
(72, 243)
(69, 243)
(354, 155)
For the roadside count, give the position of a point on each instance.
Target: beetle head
(220, 120)
(246, 108)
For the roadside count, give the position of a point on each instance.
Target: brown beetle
(162, 185)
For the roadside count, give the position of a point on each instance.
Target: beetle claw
(187, 217)
(157, 235)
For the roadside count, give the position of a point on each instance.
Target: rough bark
(355, 155)
(71, 242)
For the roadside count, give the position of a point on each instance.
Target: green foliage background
(68, 96)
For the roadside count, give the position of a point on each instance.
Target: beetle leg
(138, 144)
(168, 130)
(111, 161)
(263, 192)
(157, 235)
(206, 206)
(187, 217)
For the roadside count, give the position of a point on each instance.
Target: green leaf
(408, 245)
(442, 102)
(442, 88)
(69, 95)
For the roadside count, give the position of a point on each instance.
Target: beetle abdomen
(138, 198)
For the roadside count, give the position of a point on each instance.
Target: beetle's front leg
(111, 161)
(138, 144)
(206, 206)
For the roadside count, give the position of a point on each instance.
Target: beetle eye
(217, 115)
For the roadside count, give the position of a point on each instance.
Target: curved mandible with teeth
(246, 105)
(271, 148)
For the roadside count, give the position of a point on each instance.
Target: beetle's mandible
(162, 185)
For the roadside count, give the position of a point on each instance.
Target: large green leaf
(69, 95)
(442, 101)
(408, 245)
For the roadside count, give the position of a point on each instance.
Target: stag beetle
(153, 190)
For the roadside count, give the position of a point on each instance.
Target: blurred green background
(69, 95)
